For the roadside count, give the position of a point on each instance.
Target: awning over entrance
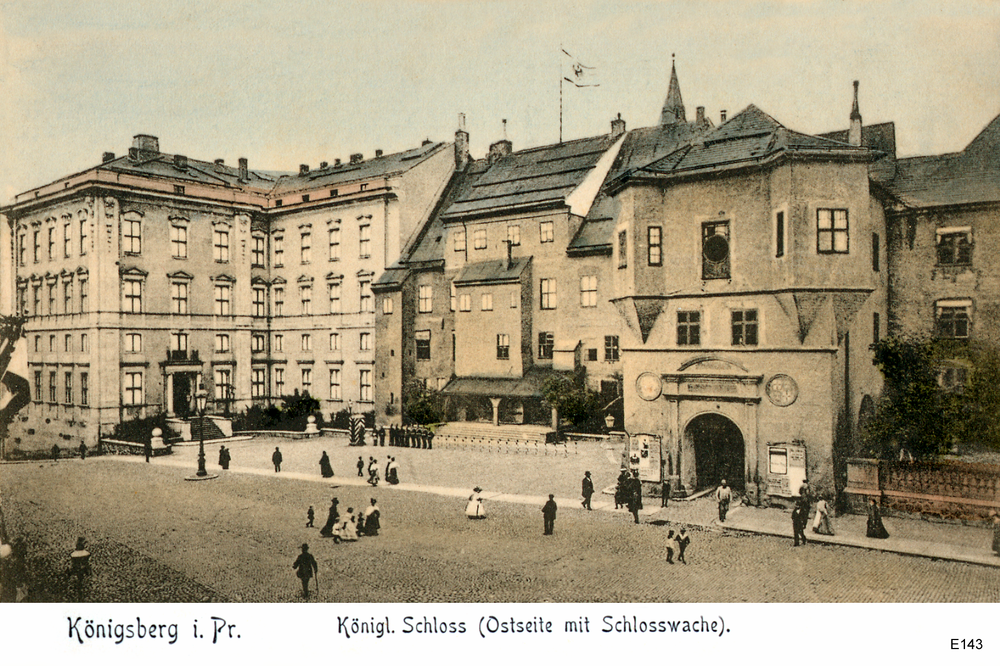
(528, 386)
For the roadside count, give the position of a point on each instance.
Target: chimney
(426, 142)
(699, 115)
(323, 165)
(722, 116)
(356, 158)
(303, 169)
(510, 259)
(147, 145)
(220, 161)
(244, 170)
(378, 152)
(461, 144)
(336, 163)
(617, 127)
(181, 162)
(501, 148)
(133, 154)
(854, 133)
(107, 157)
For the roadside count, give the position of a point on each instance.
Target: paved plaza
(156, 537)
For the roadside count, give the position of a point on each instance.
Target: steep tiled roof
(496, 270)
(163, 165)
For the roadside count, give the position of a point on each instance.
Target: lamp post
(609, 421)
(201, 401)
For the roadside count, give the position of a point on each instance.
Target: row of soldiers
(411, 437)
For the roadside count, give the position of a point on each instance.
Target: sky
(300, 82)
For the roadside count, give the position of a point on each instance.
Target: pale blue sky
(303, 82)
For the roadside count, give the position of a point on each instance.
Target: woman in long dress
(324, 466)
(876, 530)
(821, 523)
(331, 519)
(474, 509)
(347, 530)
(996, 532)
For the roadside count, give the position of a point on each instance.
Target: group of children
(681, 540)
(349, 526)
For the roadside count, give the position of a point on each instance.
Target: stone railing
(117, 447)
(947, 489)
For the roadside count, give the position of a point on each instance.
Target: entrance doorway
(718, 451)
(182, 394)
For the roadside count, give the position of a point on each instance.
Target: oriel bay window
(832, 233)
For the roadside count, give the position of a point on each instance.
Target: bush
(293, 415)
(140, 430)
(422, 405)
(576, 402)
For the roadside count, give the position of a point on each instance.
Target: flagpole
(560, 92)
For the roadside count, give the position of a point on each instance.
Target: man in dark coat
(549, 515)
(800, 514)
(55, 452)
(276, 459)
(331, 519)
(306, 567)
(361, 466)
(621, 489)
(634, 496)
(587, 490)
(665, 493)
(83, 451)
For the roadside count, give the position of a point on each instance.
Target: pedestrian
(361, 432)
(381, 436)
(683, 540)
(392, 472)
(821, 524)
(474, 509)
(996, 532)
(83, 451)
(347, 530)
(587, 490)
(798, 525)
(310, 516)
(361, 467)
(634, 496)
(276, 459)
(549, 514)
(325, 469)
(147, 448)
(225, 457)
(372, 519)
(55, 452)
(621, 488)
(876, 530)
(664, 493)
(723, 496)
(306, 567)
(670, 547)
(332, 517)
(372, 471)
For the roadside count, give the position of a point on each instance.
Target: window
(52, 386)
(305, 296)
(258, 379)
(305, 198)
(84, 342)
(654, 246)
(366, 296)
(479, 238)
(366, 385)
(611, 351)
(84, 389)
(223, 383)
(365, 241)
(387, 305)
(67, 343)
(953, 319)
(68, 388)
(133, 295)
(335, 342)
(36, 247)
(365, 341)
(279, 301)
(279, 342)
(592, 354)
(954, 249)
(744, 328)
(279, 382)
(307, 379)
(425, 298)
(133, 343)
(779, 234)
(454, 295)
(259, 302)
(458, 240)
(513, 299)
(51, 291)
(257, 343)
(487, 303)
(178, 189)
(503, 346)
(133, 388)
(953, 378)
(52, 244)
(132, 237)
(179, 342)
(546, 341)
(514, 234)
(179, 241)
(305, 247)
(257, 252)
(688, 328)
(20, 249)
(52, 343)
(38, 385)
(306, 342)
(588, 291)
(334, 192)
(83, 295)
(279, 251)
(334, 237)
(22, 300)
(36, 300)
(334, 290)
(67, 238)
(876, 332)
(622, 249)
(548, 289)
(546, 232)
(179, 297)
(220, 245)
(222, 342)
(423, 339)
(223, 294)
(83, 237)
(335, 384)
(67, 297)
(465, 303)
(831, 231)
(715, 251)
(875, 252)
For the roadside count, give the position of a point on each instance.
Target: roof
(164, 165)
(528, 386)
(496, 270)
(880, 137)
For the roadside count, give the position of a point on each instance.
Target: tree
(570, 394)
(420, 404)
(979, 399)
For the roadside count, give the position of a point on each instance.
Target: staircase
(206, 427)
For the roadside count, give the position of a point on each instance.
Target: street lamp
(609, 421)
(201, 401)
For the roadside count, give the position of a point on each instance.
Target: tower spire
(673, 106)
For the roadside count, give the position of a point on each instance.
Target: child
(682, 543)
(310, 514)
(670, 547)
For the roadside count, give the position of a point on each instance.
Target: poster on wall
(644, 456)
(786, 469)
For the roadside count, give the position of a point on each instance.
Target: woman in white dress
(474, 509)
(821, 523)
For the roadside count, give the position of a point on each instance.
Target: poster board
(644, 456)
(786, 468)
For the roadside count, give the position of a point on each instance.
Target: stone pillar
(169, 383)
(311, 428)
(156, 439)
(496, 410)
(555, 418)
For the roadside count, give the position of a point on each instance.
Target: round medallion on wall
(648, 386)
(782, 390)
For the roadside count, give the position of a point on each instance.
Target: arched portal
(718, 450)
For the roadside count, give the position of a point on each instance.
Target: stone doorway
(718, 451)
(182, 382)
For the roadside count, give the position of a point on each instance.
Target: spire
(854, 130)
(673, 107)
(855, 111)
